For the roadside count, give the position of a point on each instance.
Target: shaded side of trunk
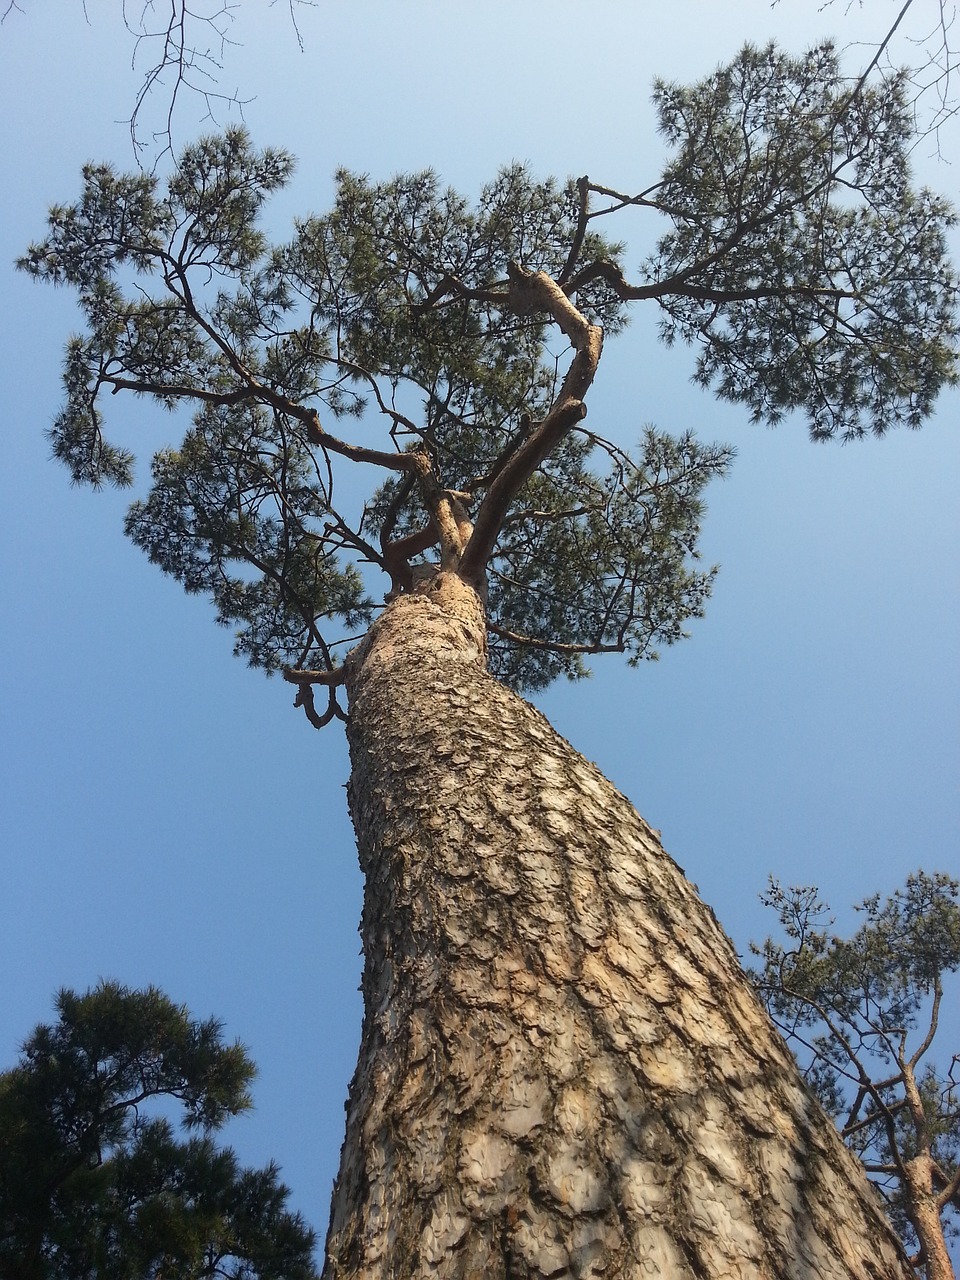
(563, 1070)
(925, 1215)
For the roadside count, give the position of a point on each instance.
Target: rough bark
(925, 1215)
(563, 1071)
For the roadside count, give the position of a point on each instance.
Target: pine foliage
(94, 1182)
(424, 335)
(862, 1013)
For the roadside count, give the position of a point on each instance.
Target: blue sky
(169, 818)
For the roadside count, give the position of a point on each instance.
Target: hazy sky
(168, 817)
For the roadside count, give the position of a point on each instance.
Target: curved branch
(257, 393)
(304, 699)
(927, 1041)
(305, 680)
(536, 292)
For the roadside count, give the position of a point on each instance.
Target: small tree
(862, 1014)
(91, 1186)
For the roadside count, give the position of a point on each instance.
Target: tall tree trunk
(563, 1070)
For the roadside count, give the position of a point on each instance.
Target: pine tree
(563, 1070)
(862, 1013)
(93, 1184)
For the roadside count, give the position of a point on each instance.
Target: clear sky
(168, 818)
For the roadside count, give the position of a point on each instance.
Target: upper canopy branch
(556, 646)
(678, 286)
(451, 285)
(683, 283)
(583, 219)
(641, 200)
(175, 275)
(537, 291)
(256, 391)
(438, 312)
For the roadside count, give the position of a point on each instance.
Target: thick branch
(305, 680)
(449, 518)
(304, 699)
(413, 544)
(536, 291)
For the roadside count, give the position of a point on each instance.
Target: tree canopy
(862, 1013)
(799, 259)
(92, 1184)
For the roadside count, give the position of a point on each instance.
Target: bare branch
(583, 216)
(927, 1040)
(861, 1075)
(181, 46)
(552, 646)
(195, 68)
(932, 75)
(875, 60)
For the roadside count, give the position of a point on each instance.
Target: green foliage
(792, 188)
(862, 1013)
(90, 1185)
(244, 492)
(801, 261)
(204, 226)
(614, 571)
(369, 267)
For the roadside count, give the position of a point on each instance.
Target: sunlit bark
(563, 1071)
